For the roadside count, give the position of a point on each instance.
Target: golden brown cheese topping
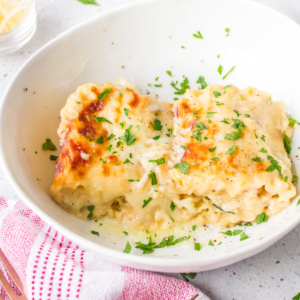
(216, 156)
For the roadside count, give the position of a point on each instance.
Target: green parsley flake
(197, 247)
(200, 126)
(169, 73)
(104, 94)
(90, 209)
(247, 116)
(292, 121)
(89, 138)
(111, 137)
(128, 138)
(202, 82)
(257, 159)
(226, 87)
(194, 227)
(287, 144)
(198, 35)
(127, 248)
(183, 147)
(263, 150)
(186, 276)
(233, 136)
(101, 119)
(133, 180)
(172, 206)
(263, 137)
(151, 246)
(122, 124)
(172, 219)
(244, 236)
(231, 150)
(209, 113)
(261, 218)
(211, 150)
(121, 95)
(109, 147)
(126, 111)
(238, 124)
(295, 179)
(156, 125)
(225, 121)
(219, 103)
(220, 69)
(216, 94)
(146, 202)
(48, 145)
(159, 161)
(227, 30)
(125, 232)
(156, 137)
(158, 85)
(103, 161)
(198, 136)
(183, 167)
(237, 113)
(53, 157)
(170, 130)
(298, 203)
(210, 243)
(236, 232)
(184, 86)
(127, 161)
(100, 140)
(152, 177)
(88, 118)
(215, 158)
(228, 232)
(95, 233)
(231, 70)
(119, 143)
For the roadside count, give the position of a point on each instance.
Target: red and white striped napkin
(53, 267)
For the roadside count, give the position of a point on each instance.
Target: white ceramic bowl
(140, 42)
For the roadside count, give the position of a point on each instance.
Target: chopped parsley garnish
(169, 73)
(170, 130)
(187, 276)
(201, 126)
(298, 203)
(261, 218)
(90, 209)
(172, 206)
(158, 161)
(122, 124)
(211, 150)
(295, 178)
(104, 94)
(241, 96)
(158, 85)
(219, 103)
(220, 70)
(228, 72)
(183, 86)
(226, 87)
(152, 177)
(194, 227)
(172, 219)
(228, 232)
(133, 180)
(127, 248)
(209, 113)
(48, 145)
(215, 158)
(227, 30)
(156, 125)
(198, 35)
(53, 157)
(255, 134)
(237, 232)
(156, 137)
(202, 82)
(89, 138)
(109, 147)
(238, 124)
(210, 243)
(292, 121)
(198, 136)
(183, 167)
(128, 138)
(88, 118)
(95, 232)
(119, 143)
(216, 94)
(244, 236)
(126, 111)
(287, 144)
(225, 121)
(101, 119)
(127, 161)
(231, 150)
(156, 78)
(121, 95)
(125, 232)
(151, 246)
(263, 137)
(274, 165)
(197, 246)
(237, 113)
(146, 202)
(103, 161)
(297, 297)
(233, 136)
(111, 137)
(183, 147)
(257, 159)
(247, 116)
(263, 150)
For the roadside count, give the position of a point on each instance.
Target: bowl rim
(145, 262)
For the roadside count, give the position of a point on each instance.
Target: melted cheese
(110, 164)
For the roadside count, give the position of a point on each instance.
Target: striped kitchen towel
(53, 267)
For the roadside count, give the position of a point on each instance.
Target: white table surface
(259, 277)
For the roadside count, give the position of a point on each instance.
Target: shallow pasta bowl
(140, 42)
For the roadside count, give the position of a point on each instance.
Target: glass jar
(22, 14)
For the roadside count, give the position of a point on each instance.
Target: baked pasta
(216, 156)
